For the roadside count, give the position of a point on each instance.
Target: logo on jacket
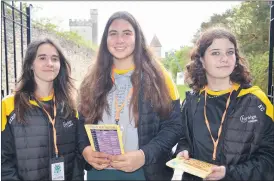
(248, 119)
(261, 107)
(11, 118)
(67, 124)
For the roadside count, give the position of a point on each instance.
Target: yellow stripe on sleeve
(4, 116)
(7, 108)
(77, 114)
(173, 91)
(269, 107)
(255, 90)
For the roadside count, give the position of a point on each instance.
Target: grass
(182, 89)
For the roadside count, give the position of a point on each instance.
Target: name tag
(57, 168)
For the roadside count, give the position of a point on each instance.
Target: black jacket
(26, 149)
(247, 139)
(156, 138)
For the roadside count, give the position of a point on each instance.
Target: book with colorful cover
(193, 166)
(105, 138)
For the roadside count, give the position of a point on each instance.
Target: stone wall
(79, 56)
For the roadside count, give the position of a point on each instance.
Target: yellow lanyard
(215, 142)
(117, 108)
(53, 126)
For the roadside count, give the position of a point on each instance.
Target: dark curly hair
(195, 75)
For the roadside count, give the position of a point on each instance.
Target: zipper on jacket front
(222, 136)
(45, 117)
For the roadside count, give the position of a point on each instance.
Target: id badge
(57, 168)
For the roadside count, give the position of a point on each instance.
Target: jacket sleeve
(79, 162)
(78, 169)
(260, 166)
(168, 136)
(83, 140)
(8, 156)
(183, 142)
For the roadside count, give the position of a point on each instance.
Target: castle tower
(156, 46)
(88, 29)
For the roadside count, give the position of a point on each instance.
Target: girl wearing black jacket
(226, 121)
(39, 122)
(127, 86)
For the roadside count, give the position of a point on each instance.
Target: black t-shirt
(203, 145)
(48, 106)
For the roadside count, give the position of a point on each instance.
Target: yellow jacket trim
(7, 108)
(255, 90)
(173, 91)
(218, 93)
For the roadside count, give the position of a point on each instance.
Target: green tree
(250, 23)
(259, 67)
(176, 61)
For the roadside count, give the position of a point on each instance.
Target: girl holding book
(226, 120)
(127, 86)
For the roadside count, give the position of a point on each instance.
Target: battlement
(80, 22)
(93, 11)
(87, 28)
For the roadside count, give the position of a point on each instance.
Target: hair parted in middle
(98, 82)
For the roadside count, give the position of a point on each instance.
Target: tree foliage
(250, 23)
(176, 61)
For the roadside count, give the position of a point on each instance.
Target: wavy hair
(195, 75)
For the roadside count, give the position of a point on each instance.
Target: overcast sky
(174, 23)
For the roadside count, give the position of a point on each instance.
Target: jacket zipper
(234, 103)
(224, 133)
(49, 137)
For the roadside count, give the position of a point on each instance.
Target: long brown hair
(97, 83)
(195, 75)
(63, 86)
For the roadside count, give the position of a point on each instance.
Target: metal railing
(11, 14)
(270, 90)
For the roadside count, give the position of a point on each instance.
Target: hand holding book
(97, 160)
(193, 166)
(183, 154)
(128, 162)
(218, 173)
